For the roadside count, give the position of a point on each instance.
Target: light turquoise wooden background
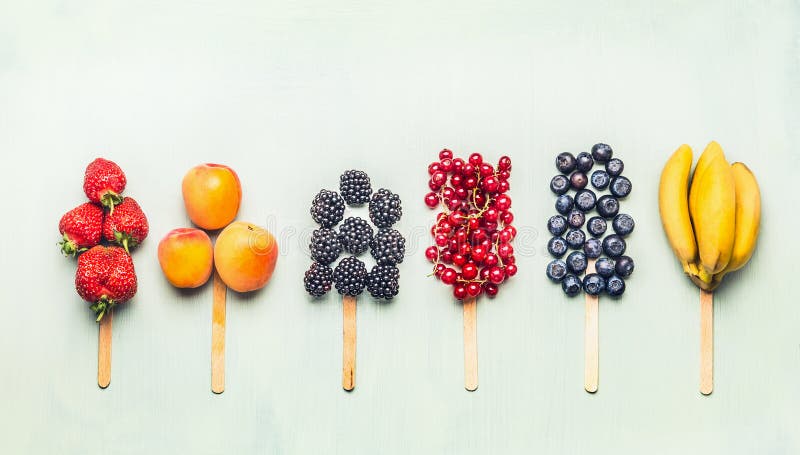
(292, 93)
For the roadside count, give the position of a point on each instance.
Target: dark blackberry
(382, 282)
(318, 279)
(355, 235)
(385, 208)
(355, 187)
(327, 209)
(350, 276)
(325, 246)
(388, 247)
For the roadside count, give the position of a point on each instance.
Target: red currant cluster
(473, 232)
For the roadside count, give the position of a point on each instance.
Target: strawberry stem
(102, 306)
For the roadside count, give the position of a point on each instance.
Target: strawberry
(103, 183)
(126, 225)
(80, 228)
(105, 278)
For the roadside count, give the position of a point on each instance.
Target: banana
(714, 216)
(712, 151)
(673, 207)
(748, 217)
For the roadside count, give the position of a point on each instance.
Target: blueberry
(557, 225)
(564, 204)
(602, 152)
(604, 267)
(575, 238)
(556, 270)
(576, 218)
(593, 248)
(571, 285)
(557, 246)
(578, 180)
(621, 186)
(585, 200)
(623, 224)
(615, 286)
(614, 167)
(594, 284)
(624, 266)
(585, 161)
(600, 179)
(576, 262)
(607, 206)
(613, 245)
(559, 184)
(565, 162)
(596, 226)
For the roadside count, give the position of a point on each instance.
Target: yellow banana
(674, 209)
(714, 216)
(748, 217)
(712, 151)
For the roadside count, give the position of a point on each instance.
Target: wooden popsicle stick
(348, 342)
(218, 335)
(706, 342)
(470, 343)
(591, 364)
(104, 349)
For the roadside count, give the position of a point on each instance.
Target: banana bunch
(712, 224)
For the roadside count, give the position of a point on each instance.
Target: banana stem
(706, 342)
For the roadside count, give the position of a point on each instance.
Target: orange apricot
(212, 194)
(186, 257)
(245, 256)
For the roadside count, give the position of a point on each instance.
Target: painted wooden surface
(292, 93)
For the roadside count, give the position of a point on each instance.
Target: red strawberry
(105, 278)
(81, 228)
(103, 183)
(126, 225)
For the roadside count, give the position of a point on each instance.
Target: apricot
(245, 256)
(212, 194)
(186, 257)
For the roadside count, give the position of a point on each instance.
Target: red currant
(440, 239)
(448, 276)
(459, 259)
(485, 169)
(491, 260)
(507, 218)
(458, 165)
(438, 270)
(433, 168)
(469, 271)
(446, 165)
(468, 170)
(474, 289)
(461, 192)
(445, 154)
(439, 178)
(457, 180)
(432, 253)
(470, 182)
(476, 159)
(478, 253)
(504, 164)
(433, 185)
(484, 274)
(502, 202)
(496, 275)
(511, 269)
(431, 200)
(460, 291)
(505, 250)
(490, 184)
(490, 289)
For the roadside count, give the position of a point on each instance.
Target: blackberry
(355, 187)
(318, 279)
(350, 276)
(388, 247)
(327, 209)
(385, 208)
(325, 246)
(355, 235)
(382, 282)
